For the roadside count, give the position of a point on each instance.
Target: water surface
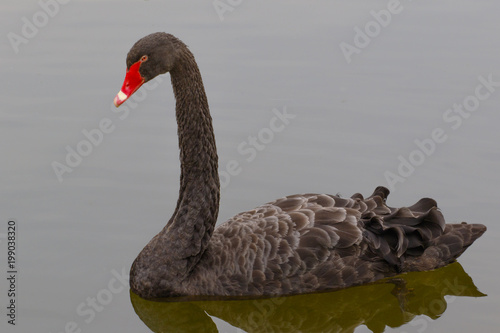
(354, 124)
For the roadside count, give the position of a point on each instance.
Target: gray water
(376, 107)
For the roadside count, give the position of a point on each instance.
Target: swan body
(296, 244)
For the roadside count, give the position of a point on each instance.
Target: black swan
(297, 244)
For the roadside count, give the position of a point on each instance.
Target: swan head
(150, 56)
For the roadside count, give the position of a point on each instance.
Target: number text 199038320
(11, 271)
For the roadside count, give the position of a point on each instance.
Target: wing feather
(313, 242)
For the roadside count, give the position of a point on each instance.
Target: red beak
(133, 81)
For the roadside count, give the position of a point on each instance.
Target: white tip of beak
(120, 98)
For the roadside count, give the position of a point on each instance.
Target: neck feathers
(171, 255)
(197, 208)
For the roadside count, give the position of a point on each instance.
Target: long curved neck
(171, 255)
(192, 224)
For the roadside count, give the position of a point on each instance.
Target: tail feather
(414, 238)
(458, 237)
(446, 248)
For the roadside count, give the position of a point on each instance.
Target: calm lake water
(402, 94)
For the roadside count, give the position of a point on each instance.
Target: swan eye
(144, 58)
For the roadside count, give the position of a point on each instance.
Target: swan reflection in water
(390, 302)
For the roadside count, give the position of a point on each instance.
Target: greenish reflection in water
(390, 302)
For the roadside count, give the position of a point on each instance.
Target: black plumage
(297, 244)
